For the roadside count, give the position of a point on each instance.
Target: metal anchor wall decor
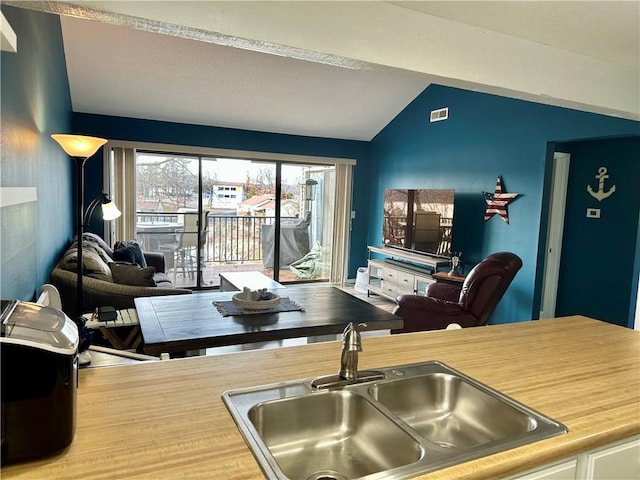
(600, 194)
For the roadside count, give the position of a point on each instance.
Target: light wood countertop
(163, 420)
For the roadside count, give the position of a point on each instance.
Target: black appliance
(39, 368)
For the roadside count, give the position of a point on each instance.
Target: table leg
(133, 340)
(226, 285)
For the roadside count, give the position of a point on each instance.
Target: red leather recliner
(468, 305)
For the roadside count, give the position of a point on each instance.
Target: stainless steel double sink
(420, 418)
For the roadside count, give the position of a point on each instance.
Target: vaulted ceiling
(341, 69)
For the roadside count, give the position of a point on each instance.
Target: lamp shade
(110, 211)
(79, 145)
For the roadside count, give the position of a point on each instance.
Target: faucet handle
(351, 336)
(350, 327)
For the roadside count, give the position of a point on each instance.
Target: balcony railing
(234, 239)
(227, 238)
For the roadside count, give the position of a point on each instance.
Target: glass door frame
(344, 168)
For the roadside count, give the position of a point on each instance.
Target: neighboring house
(265, 206)
(227, 194)
(255, 205)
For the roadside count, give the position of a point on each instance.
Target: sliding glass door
(209, 215)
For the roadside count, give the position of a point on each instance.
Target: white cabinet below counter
(618, 461)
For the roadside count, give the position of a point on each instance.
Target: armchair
(468, 305)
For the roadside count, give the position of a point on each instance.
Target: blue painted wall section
(598, 269)
(35, 103)
(485, 136)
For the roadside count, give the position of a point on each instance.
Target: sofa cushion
(129, 251)
(132, 274)
(93, 264)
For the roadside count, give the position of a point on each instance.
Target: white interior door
(555, 229)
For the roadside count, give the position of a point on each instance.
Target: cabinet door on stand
(390, 281)
(406, 283)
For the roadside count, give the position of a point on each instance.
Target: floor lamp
(81, 148)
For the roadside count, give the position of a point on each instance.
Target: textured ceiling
(314, 68)
(148, 75)
(608, 30)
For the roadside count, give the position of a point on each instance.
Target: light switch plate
(593, 213)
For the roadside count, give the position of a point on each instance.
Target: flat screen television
(418, 220)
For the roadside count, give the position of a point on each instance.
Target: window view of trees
(167, 184)
(168, 181)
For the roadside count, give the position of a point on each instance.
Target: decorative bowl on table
(256, 300)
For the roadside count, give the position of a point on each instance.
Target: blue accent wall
(485, 136)
(35, 103)
(598, 268)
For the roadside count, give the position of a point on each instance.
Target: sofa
(108, 280)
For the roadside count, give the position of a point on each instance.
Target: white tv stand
(402, 272)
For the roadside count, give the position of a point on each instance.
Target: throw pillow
(94, 265)
(129, 251)
(126, 254)
(89, 244)
(132, 274)
(92, 237)
(99, 250)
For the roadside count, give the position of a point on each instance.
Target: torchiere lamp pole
(81, 148)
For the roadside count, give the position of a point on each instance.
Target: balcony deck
(211, 274)
(229, 243)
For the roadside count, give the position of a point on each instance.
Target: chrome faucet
(348, 374)
(351, 345)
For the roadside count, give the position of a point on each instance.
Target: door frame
(555, 231)
(343, 198)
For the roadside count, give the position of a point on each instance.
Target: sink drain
(327, 475)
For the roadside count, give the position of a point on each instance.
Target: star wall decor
(497, 202)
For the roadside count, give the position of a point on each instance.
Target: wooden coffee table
(181, 323)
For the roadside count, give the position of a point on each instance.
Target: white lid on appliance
(38, 326)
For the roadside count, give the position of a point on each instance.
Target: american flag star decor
(497, 202)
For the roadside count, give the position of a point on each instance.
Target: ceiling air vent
(440, 114)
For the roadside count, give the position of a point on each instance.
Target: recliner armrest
(444, 291)
(427, 313)
(425, 305)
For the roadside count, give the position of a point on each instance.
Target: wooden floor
(100, 359)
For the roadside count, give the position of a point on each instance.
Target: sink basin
(340, 434)
(420, 418)
(451, 412)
